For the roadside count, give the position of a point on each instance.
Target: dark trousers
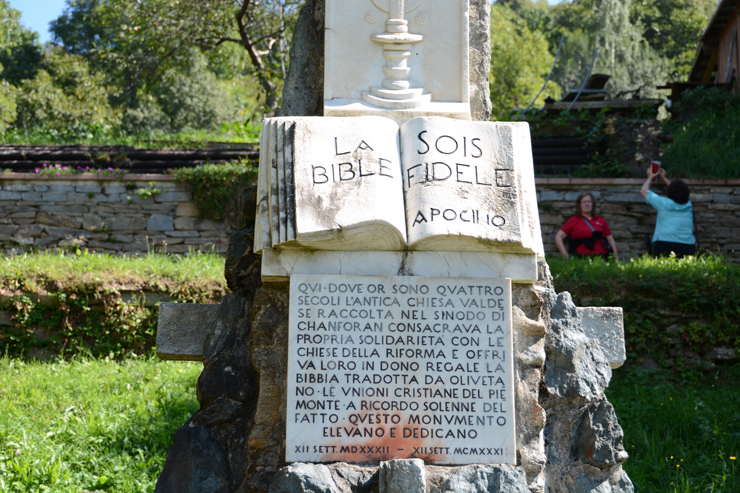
(664, 248)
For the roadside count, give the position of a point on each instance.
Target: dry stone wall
(97, 214)
(716, 211)
(103, 214)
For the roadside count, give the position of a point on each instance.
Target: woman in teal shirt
(674, 227)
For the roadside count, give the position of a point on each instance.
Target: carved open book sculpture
(361, 183)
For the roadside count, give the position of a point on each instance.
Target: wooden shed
(717, 60)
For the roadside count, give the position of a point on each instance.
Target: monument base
(278, 265)
(567, 434)
(358, 107)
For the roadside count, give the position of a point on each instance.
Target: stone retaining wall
(102, 214)
(716, 211)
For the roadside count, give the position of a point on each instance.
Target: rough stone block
(30, 230)
(18, 187)
(605, 325)
(182, 330)
(88, 187)
(54, 197)
(111, 199)
(92, 222)
(550, 195)
(724, 207)
(40, 188)
(58, 232)
(301, 477)
(113, 188)
(187, 209)
(173, 197)
(31, 196)
(185, 223)
(23, 215)
(118, 223)
(208, 225)
(182, 234)
(403, 476)
(59, 187)
(160, 222)
(22, 240)
(623, 197)
(701, 197)
(10, 195)
(54, 220)
(138, 224)
(123, 239)
(721, 198)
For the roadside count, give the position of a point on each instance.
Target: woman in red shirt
(586, 230)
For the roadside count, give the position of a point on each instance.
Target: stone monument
(392, 325)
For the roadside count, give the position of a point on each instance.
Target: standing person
(586, 231)
(674, 227)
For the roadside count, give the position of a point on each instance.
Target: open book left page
(330, 184)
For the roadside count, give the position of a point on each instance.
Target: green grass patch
(690, 304)
(682, 434)
(55, 270)
(68, 304)
(90, 425)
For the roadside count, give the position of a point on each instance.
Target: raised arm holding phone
(674, 226)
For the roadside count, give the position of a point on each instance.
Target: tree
(20, 52)
(140, 39)
(520, 62)
(623, 52)
(673, 28)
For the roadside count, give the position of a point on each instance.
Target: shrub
(218, 188)
(707, 135)
(64, 95)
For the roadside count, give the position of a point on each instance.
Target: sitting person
(674, 227)
(586, 231)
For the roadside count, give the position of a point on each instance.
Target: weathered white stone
(279, 265)
(452, 186)
(605, 325)
(444, 375)
(182, 330)
(364, 74)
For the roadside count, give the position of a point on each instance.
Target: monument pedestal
(236, 441)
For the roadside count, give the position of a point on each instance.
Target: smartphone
(655, 167)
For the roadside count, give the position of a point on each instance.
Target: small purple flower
(57, 174)
(45, 165)
(37, 170)
(64, 168)
(110, 169)
(58, 165)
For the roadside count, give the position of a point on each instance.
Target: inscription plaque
(384, 368)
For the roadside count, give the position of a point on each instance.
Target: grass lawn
(682, 434)
(90, 425)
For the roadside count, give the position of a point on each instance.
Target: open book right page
(467, 186)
